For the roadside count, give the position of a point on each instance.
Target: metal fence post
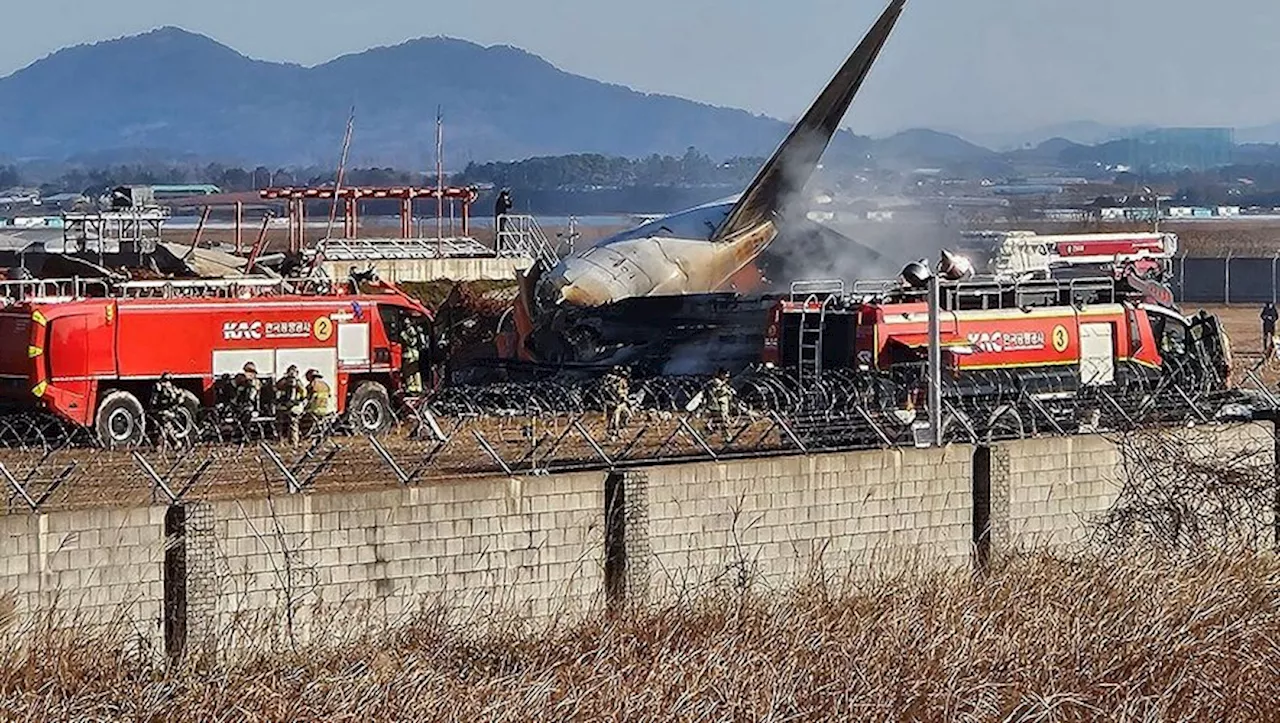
(1182, 278)
(1227, 276)
(1274, 258)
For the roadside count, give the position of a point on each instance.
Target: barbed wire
(560, 425)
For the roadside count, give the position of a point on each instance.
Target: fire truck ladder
(243, 287)
(821, 294)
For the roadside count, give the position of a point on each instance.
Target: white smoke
(851, 249)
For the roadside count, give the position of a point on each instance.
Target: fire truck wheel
(120, 421)
(188, 414)
(371, 409)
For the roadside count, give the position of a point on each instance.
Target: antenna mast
(439, 182)
(342, 168)
(337, 188)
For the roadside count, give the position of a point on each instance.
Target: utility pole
(935, 360)
(439, 182)
(1156, 200)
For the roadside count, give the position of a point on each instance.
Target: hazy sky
(968, 65)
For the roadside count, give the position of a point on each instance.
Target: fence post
(1182, 278)
(1227, 276)
(1274, 258)
(175, 582)
(981, 509)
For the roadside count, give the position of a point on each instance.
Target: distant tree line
(571, 172)
(594, 171)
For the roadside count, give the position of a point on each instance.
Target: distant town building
(1189, 212)
(166, 192)
(1181, 148)
(1066, 215)
(1126, 213)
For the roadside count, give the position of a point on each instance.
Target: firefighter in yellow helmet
(616, 392)
(721, 394)
(319, 400)
(411, 354)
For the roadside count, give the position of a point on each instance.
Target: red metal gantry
(351, 198)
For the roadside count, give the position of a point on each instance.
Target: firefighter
(224, 392)
(248, 392)
(251, 386)
(318, 395)
(291, 398)
(411, 343)
(165, 402)
(616, 388)
(721, 393)
(501, 208)
(1268, 316)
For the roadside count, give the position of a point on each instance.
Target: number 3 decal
(1060, 338)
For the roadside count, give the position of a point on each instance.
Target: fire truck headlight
(40, 388)
(34, 351)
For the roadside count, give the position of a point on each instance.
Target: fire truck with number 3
(91, 352)
(1012, 349)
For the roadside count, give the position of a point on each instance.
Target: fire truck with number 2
(91, 352)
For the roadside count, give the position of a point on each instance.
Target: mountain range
(184, 93)
(170, 93)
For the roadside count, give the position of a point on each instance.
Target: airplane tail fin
(786, 173)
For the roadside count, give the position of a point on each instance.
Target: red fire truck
(91, 353)
(1000, 340)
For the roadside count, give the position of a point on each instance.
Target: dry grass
(1039, 639)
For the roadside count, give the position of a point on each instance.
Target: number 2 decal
(322, 328)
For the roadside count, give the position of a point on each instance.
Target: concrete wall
(1044, 492)
(308, 564)
(87, 567)
(773, 522)
(316, 566)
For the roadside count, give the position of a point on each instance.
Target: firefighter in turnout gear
(1269, 316)
(166, 400)
(317, 404)
(291, 402)
(616, 392)
(721, 394)
(411, 354)
(248, 392)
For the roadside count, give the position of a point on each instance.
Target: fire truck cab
(91, 352)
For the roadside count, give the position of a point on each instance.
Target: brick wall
(87, 567)
(312, 565)
(772, 522)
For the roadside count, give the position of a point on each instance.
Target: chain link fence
(1227, 280)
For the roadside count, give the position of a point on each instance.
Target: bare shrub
(1192, 490)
